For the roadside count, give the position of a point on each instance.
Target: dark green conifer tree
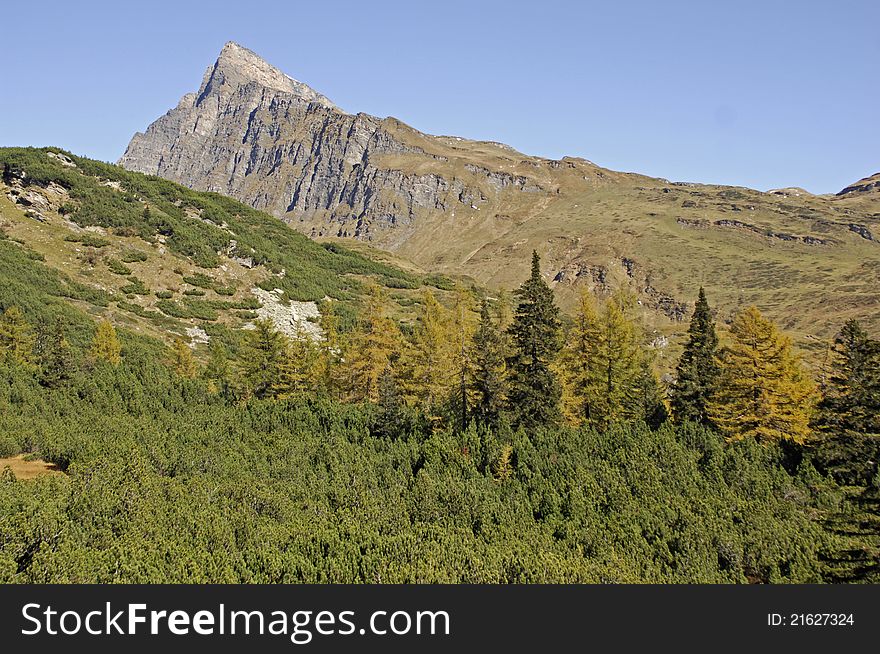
(851, 394)
(391, 419)
(534, 394)
(698, 369)
(650, 396)
(53, 355)
(489, 383)
(263, 351)
(849, 412)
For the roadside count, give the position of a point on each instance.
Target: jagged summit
(237, 66)
(234, 94)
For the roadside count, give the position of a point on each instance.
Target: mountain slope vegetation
(160, 258)
(167, 480)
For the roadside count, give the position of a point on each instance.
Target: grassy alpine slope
(810, 262)
(159, 258)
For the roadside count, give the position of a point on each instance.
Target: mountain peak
(237, 66)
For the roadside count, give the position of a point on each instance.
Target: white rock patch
(292, 319)
(197, 336)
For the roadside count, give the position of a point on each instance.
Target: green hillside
(159, 258)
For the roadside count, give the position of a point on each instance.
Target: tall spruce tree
(849, 412)
(698, 369)
(534, 395)
(851, 396)
(489, 383)
(264, 348)
(463, 323)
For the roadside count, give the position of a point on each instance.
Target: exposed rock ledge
(293, 319)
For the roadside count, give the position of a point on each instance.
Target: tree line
(477, 362)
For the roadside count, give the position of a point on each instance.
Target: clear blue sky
(761, 94)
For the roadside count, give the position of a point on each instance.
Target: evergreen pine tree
(697, 371)
(391, 418)
(262, 354)
(53, 354)
(105, 345)
(534, 393)
(16, 337)
(763, 391)
(849, 412)
(650, 398)
(851, 396)
(489, 383)
(462, 327)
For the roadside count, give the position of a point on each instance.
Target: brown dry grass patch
(23, 468)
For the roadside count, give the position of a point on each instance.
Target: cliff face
(254, 133)
(454, 205)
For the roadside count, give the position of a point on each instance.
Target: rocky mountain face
(454, 205)
(252, 132)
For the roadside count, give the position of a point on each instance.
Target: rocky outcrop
(869, 184)
(256, 134)
(293, 319)
(782, 236)
(862, 231)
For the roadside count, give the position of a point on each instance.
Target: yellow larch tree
(105, 345)
(764, 391)
(372, 347)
